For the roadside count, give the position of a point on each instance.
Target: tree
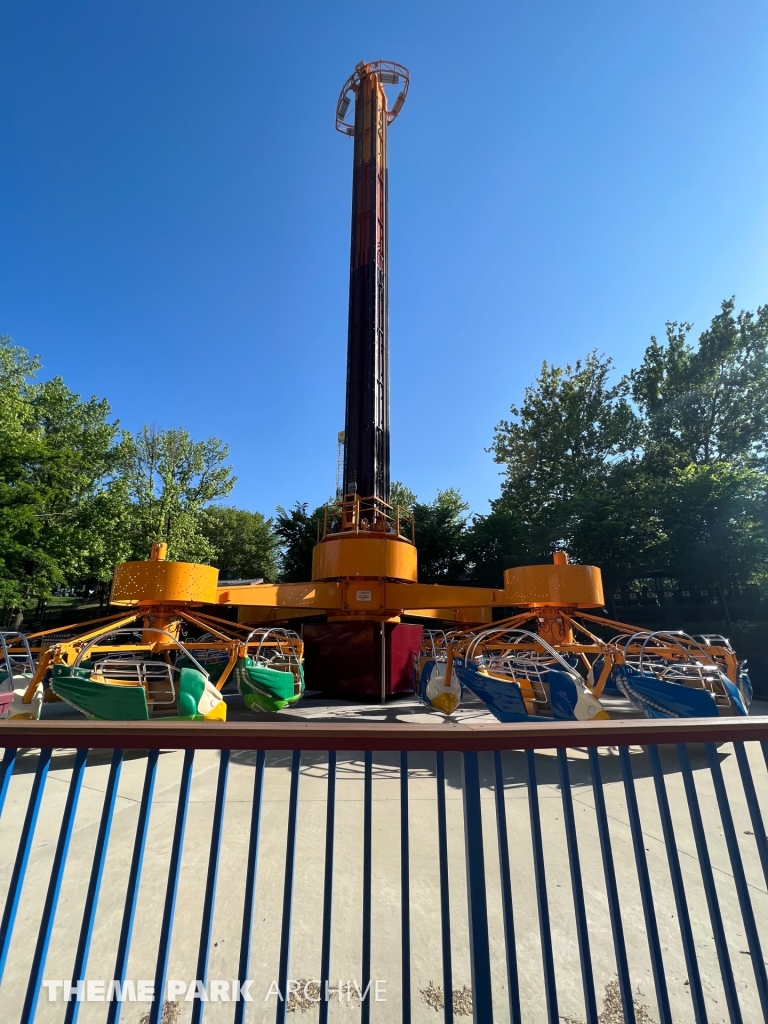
(573, 430)
(572, 424)
(60, 492)
(401, 495)
(171, 479)
(244, 544)
(25, 567)
(705, 446)
(707, 404)
(675, 484)
(441, 527)
(715, 521)
(85, 526)
(297, 530)
(496, 542)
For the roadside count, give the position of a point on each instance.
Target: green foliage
(663, 471)
(709, 404)
(572, 423)
(401, 495)
(441, 527)
(573, 432)
(441, 533)
(297, 530)
(84, 524)
(715, 525)
(170, 480)
(244, 544)
(25, 566)
(60, 500)
(572, 427)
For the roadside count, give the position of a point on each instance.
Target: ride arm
(437, 596)
(234, 654)
(379, 595)
(608, 663)
(205, 626)
(70, 626)
(282, 595)
(65, 650)
(43, 662)
(463, 616)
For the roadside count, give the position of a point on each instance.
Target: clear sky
(174, 208)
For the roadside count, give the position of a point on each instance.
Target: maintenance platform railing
(521, 873)
(353, 514)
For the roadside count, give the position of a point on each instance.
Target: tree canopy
(171, 479)
(661, 472)
(244, 544)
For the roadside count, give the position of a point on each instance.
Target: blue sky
(174, 210)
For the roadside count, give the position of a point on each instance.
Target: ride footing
(360, 660)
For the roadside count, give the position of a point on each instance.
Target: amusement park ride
(167, 655)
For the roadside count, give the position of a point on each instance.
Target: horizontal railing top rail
(448, 736)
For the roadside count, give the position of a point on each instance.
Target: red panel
(403, 643)
(343, 659)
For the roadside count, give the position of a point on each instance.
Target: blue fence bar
(754, 807)
(54, 888)
(210, 885)
(575, 844)
(542, 898)
(132, 893)
(325, 946)
(445, 898)
(612, 890)
(166, 928)
(367, 882)
(579, 905)
(479, 948)
(740, 880)
(710, 890)
(22, 857)
(290, 865)
(646, 893)
(678, 888)
(249, 896)
(405, 890)
(510, 946)
(6, 768)
(94, 882)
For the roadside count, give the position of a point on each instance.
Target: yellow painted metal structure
(161, 582)
(369, 555)
(364, 568)
(558, 585)
(369, 598)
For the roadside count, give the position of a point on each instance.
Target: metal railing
(354, 514)
(541, 868)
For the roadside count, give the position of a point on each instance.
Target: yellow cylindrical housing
(157, 582)
(371, 555)
(558, 585)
